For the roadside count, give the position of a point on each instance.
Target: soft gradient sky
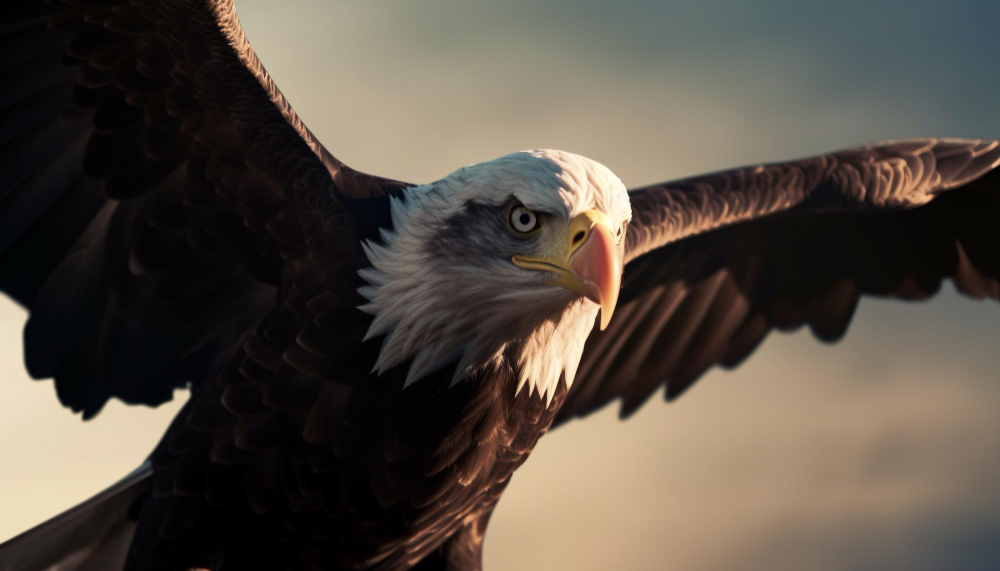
(878, 453)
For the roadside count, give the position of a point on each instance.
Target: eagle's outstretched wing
(94, 534)
(714, 262)
(155, 187)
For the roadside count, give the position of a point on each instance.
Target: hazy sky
(878, 453)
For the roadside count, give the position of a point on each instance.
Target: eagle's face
(510, 259)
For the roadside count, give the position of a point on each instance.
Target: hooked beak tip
(607, 310)
(598, 268)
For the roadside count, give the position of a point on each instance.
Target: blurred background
(878, 453)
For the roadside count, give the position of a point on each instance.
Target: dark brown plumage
(791, 244)
(169, 221)
(172, 111)
(196, 234)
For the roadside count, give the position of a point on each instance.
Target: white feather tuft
(436, 317)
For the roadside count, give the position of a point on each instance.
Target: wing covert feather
(154, 186)
(715, 262)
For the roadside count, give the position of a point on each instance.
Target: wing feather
(786, 245)
(152, 179)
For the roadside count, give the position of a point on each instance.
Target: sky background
(880, 452)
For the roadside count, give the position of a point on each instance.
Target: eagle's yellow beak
(587, 262)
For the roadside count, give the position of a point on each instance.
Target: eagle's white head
(502, 263)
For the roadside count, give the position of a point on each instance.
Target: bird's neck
(553, 349)
(476, 318)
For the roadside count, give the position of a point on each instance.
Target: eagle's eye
(621, 231)
(521, 220)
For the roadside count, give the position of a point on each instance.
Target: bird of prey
(370, 361)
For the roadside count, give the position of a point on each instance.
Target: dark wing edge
(154, 184)
(92, 535)
(715, 262)
(349, 182)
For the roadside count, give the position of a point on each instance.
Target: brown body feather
(298, 457)
(168, 220)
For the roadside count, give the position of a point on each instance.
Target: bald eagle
(370, 361)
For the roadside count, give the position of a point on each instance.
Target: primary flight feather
(370, 360)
